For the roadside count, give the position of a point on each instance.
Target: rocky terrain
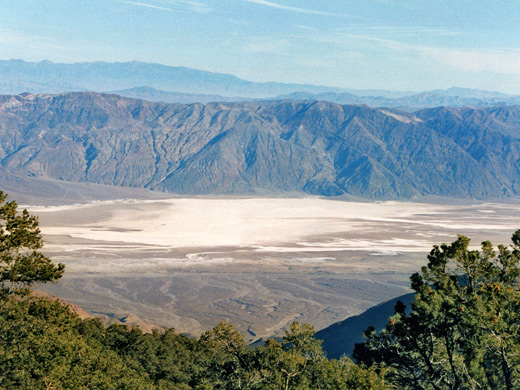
(258, 148)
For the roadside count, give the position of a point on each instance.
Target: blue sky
(379, 44)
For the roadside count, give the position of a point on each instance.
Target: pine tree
(20, 264)
(463, 331)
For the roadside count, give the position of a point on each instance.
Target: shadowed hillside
(339, 338)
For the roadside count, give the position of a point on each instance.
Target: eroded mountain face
(263, 148)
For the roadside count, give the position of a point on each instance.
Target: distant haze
(18, 76)
(372, 44)
(169, 84)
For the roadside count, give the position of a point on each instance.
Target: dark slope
(262, 147)
(339, 338)
(45, 191)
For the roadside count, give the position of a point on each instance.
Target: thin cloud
(146, 5)
(267, 47)
(307, 28)
(236, 22)
(296, 9)
(196, 6)
(401, 31)
(12, 37)
(504, 61)
(195, 3)
(20, 39)
(499, 61)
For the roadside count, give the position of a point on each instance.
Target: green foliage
(229, 363)
(20, 264)
(45, 346)
(40, 348)
(462, 333)
(463, 330)
(298, 363)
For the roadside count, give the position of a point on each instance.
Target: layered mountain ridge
(453, 97)
(17, 76)
(177, 84)
(262, 148)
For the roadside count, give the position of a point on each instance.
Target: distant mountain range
(453, 97)
(171, 84)
(157, 95)
(17, 76)
(408, 103)
(286, 147)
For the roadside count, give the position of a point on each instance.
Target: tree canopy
(21, 265)
(463, 329)
(43, 345)
(462, 332)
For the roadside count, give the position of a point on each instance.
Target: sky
(403, 45)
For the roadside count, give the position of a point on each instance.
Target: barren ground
(261, 263)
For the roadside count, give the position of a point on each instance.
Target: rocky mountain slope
(31, 190)
(262, 147)
(131, 319)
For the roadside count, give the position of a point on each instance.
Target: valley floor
(261, 263)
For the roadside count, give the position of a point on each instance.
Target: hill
(273, 147)
(339, 338)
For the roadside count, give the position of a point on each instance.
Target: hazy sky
(389, 44)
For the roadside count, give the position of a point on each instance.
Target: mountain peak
(313, 147)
